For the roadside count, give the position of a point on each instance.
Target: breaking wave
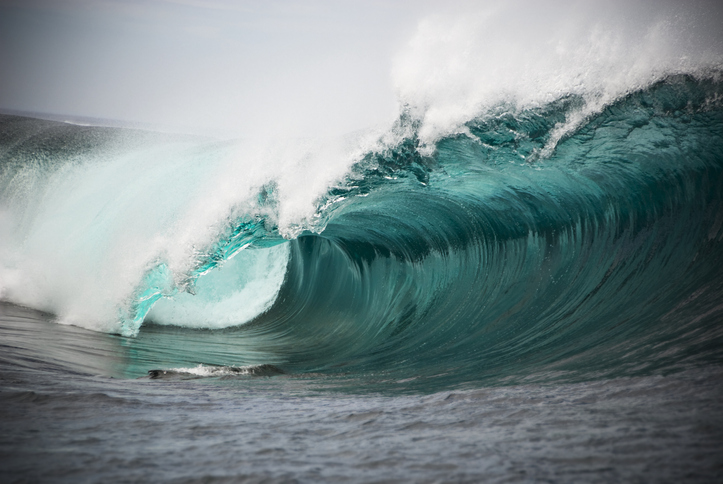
(573, 226)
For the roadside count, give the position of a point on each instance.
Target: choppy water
(60, 425)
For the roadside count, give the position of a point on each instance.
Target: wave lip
(457, 66)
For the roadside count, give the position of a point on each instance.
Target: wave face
(509, 247)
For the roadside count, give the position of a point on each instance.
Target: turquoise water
(529, 299)
(483, 261)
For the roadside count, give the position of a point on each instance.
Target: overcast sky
(240, 66)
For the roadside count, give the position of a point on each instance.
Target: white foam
(213, 371)
(525, 54)
(81, 239)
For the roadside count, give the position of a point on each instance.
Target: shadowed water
(58, 425)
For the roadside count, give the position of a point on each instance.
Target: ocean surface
(535, 295)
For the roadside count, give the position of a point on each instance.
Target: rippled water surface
(62, 425)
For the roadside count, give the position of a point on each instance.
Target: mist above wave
(526, 54)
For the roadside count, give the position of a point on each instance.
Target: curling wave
(485, 259)
(503, 247)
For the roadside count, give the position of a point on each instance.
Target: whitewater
(518, 278)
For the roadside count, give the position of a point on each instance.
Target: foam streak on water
(64, 426)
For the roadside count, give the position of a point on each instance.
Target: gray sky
(304, 67)
(245, 68)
